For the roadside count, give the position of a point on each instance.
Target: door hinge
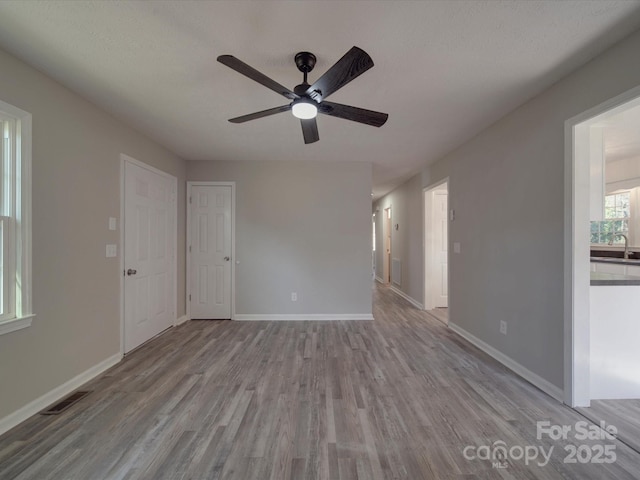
(190, 199)
(189, 297)
(189, 248)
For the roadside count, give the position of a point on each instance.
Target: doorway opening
(602, 175)
(587, 185)
(436, 250)
(386, 257)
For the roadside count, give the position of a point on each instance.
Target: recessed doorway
(436, 249)
(586, 189)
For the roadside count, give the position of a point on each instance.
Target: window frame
(617, 242)
(16, 231)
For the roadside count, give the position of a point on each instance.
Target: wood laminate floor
(441, 313)
(400, 397)
(623, 414)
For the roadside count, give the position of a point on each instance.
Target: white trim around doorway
(427, 243)
(576, 248)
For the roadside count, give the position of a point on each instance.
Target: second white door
(210, 251)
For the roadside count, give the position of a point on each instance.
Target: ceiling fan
(309, 100)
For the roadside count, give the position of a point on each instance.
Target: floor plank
(623, 414)
(441, 313)
(400, 397)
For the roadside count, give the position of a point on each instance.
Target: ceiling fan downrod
(305, 61)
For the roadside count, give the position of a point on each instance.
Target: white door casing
(436, 218)
(149, 238)
(210, 292)
(577, 353)
(387, 245)
(440, 292)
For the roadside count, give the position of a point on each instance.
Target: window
(15, 218)
(617, 211)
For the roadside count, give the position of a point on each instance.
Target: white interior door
(210, 263)
(440, 246)
(149, 250)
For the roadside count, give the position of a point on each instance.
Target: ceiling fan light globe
(304, 110)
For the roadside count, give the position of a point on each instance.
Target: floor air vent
(62, 405)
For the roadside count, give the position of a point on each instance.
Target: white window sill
(8, 326)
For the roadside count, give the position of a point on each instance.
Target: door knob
(226, 259)
(131, 271)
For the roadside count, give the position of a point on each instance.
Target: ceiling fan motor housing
(301, 90)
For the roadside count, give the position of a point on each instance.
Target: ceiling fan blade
(310, 130)
(355, 114)
(263, 113)
(241, 67)
(354, 63)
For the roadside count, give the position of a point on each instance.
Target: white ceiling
(445, 70)
(622, 135)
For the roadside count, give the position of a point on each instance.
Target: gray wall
(300, 227)
(507, 188)
(76, 187)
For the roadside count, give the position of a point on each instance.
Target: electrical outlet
(503, 327)
(294, 297)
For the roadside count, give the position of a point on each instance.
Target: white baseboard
(30, 409)
(379, 280)
(528, 375)
(308, 316)
(181, 320)
(409, 299)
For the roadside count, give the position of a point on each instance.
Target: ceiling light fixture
(304, 109)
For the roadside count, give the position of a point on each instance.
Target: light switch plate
(456, 247)
(112, 223)
(112, 251)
